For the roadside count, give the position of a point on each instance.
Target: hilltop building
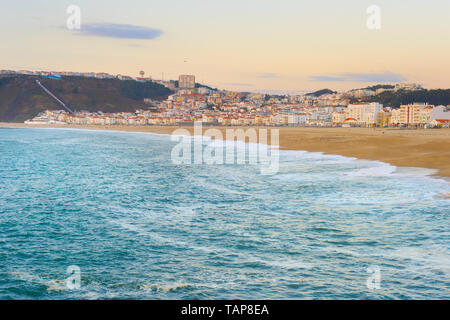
(186, 81)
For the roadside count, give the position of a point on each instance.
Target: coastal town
(192, 102)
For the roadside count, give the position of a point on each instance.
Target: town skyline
(189, 103)
(295, 46)
(142, 75)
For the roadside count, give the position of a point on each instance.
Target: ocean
(133, 225)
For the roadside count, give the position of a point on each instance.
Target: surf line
(219, 151)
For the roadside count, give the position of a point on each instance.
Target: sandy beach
(426, 148)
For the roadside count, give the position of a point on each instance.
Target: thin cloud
(360, 77)
(268, 75)
(326, 78)
(120, 31)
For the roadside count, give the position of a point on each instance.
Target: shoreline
(421, 148)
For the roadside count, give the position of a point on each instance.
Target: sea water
(137, 226)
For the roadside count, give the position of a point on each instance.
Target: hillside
(21, 98)
(396, 98)
(197, 85)
(380, 86)
(321, 92)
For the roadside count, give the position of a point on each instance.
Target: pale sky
(235, 44)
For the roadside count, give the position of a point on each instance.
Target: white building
(364, 113)
(408, 86)
(203, 90)
(395, 116)
(440, 115)
(296, 119)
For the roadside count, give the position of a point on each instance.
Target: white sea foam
(287, 264)
(164, 287)
(51, 284)
(256, 236)
(185, 213)
(380, 169)
(283, 264)
(423, 258)
(414, 171)
(218, 187)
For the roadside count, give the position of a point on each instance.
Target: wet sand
(426, 148)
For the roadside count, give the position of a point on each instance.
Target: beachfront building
(296, 119)
(364, 113)
(384, 118)
(338, 118)
(424, 116)
(440, 116)
(395, 117)
(281, 119)
(415, 114)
